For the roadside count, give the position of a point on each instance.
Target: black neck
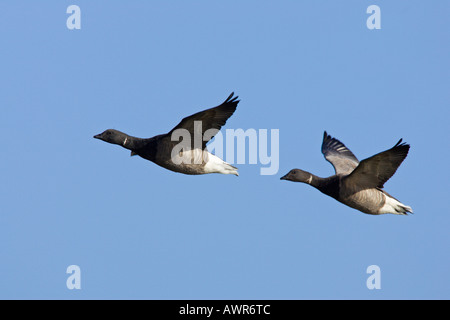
(130, 142)
(329, 186)
(316, 181)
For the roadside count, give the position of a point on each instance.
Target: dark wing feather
(335, 152)
(373, 172)
(213, 118)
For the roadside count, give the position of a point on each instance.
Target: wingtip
(326, 137)
(400, 143)
(231, 98)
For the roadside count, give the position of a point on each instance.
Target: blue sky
(138, 231)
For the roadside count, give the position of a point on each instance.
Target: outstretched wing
(373, 172)
(335, 152)
(213, 118)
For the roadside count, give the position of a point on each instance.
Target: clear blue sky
(139, 231)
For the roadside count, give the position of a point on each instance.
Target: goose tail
(394, 206)
(217, 165)
(230, 169)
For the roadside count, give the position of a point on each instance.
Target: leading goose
(189, 156)
(358, 184)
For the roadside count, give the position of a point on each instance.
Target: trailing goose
(183, 149)
(358, 184)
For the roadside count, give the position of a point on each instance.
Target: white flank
(394, 206)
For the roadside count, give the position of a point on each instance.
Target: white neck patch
(309, 180)
(125, 141)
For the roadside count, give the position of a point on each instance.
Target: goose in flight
(189, 156)
(358, 184)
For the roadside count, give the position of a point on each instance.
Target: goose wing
(213, 118)
(335, 152)
(373, 172)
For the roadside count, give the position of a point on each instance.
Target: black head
(298, 175)
(112, 136)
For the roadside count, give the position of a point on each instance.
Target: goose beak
(283, 177)
(97, 136)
